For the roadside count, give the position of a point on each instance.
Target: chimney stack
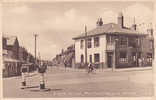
(99, 22)
(134, 25)
(120, 20)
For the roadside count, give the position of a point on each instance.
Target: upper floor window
(123, 40)
(96, 42)
(132, 42)
(109, 39)
(82, 44)
(89, 43)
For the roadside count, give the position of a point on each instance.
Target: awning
(7, 59)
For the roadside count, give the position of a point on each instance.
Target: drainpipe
(85, 45)
(114, 57)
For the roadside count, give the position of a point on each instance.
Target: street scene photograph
(77, 49)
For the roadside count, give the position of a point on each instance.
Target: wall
(91, 51)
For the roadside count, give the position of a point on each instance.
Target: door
(109, 59)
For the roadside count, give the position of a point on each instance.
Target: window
(82, 58)
(89, 42)
(96, 57)
(109, 39)
(149, 57)
(123, 40)
(134, 56)
(82, 44)
(123, 57)
(90, 58)
(132, 42)
(96, 41)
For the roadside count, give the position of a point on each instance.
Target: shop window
(149, 57)
(123, 57)
(96, 57)
(96, 42)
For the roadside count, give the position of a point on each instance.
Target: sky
(56, 23)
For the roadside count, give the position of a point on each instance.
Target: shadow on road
(32, 87)
(56, 89)
(45, 90)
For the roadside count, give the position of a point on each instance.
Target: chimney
(99, 22)
(120, 20)
(150, 31)
(134, 25)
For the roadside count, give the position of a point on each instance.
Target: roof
(110, 28)
(10, 39)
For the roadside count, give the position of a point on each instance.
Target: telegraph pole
(35, 35)
(85, 45)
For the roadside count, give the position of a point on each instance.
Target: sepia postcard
(83, 49)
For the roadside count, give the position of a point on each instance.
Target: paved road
(81, 84)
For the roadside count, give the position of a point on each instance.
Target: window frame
(81, 44)
(96, 42)
(123, 40)
(89, 43)
(123, 59)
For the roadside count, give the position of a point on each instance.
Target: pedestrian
(90, 68)
(23, 73)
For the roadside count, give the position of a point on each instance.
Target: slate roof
(110, 28)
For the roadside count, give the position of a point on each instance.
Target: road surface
(73, 83)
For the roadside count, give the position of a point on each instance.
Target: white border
(100, 98)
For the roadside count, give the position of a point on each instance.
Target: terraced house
(114, 45)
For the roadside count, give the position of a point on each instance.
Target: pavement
(78, 83)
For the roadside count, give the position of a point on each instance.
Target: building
(11, 63)
(66, 58)
(23, 54)
(14, 56)
(114, 44)
(11, 45)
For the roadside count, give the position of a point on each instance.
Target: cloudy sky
(56, 23)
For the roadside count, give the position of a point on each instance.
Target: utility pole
(85, 45)
(35, 35)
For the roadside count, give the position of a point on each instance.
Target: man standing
(42, 70)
